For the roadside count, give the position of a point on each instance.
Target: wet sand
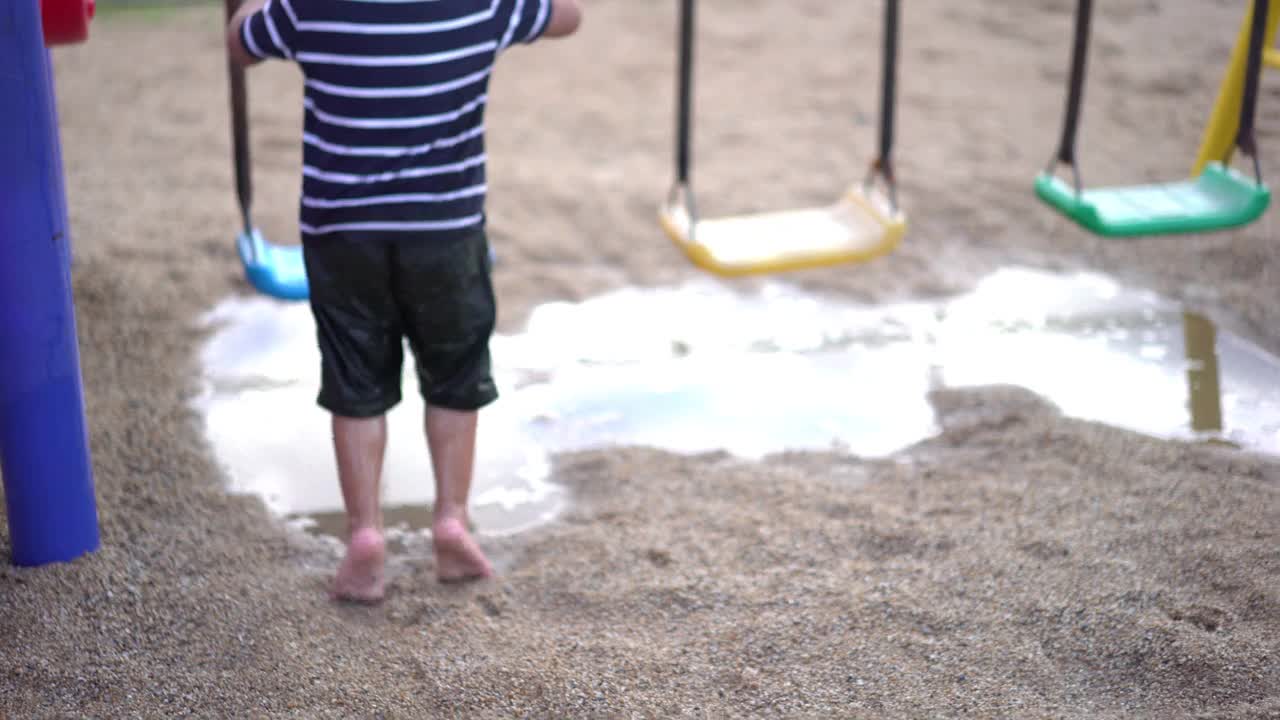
(1020, 564)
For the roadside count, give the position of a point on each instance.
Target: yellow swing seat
(858, 227)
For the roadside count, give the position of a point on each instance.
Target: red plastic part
(66, 21)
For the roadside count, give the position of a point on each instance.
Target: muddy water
(699, 368)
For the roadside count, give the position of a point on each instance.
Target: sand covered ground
(1021, 564)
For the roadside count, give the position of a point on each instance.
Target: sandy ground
(1019, 565)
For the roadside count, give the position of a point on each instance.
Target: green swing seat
(1220, 198)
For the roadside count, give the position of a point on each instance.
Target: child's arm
(235, 43)
(261, 29)
(525, 21)
(566, 16)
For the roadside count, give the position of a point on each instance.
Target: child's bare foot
(458, 557)
(360, 576)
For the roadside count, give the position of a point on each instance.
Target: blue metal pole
(44, 451)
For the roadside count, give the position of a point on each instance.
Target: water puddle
(699, 368)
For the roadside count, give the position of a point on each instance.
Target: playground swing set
(860, 226)
(865, 223)
(274, 270)
(1216, 198)
(44, 456)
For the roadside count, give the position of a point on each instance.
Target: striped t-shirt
(393, 130)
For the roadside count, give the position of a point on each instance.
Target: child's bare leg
(451, 436)
(359, 444)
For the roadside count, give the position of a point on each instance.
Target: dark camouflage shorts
(369, 294)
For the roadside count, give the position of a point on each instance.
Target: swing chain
(1052, 169)
(882, 167)
(681, 196)
(1246, 139)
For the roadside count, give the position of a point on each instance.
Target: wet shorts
(371, 294)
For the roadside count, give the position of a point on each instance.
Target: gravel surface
(1020, 564)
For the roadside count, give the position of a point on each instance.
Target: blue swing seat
(274, 270)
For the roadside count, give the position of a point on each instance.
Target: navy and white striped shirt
(393, 132)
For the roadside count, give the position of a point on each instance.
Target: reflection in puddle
(700, 368)
(262, 376)
(1202, 373)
